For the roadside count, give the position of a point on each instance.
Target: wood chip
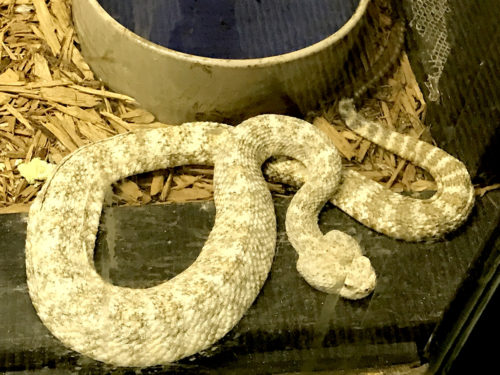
(77, 59)
(117, 123)
(47, 26)
(14, 112)
(16, 141)
(138, 115)
(10, 77)
(66, 122)
(5, 98)
(130, 192)
(338, 140)
(395, 174)
(11, 55)
(61, 11)
(184, 181)
(157, 183)
(41, 67)
(409, 176)
(78, 112)
(61, 134)
(363, 150)
(70, 96)
(188, 195)
(92, 131)
(166, 188)
(481, 191)
(422, 185)
(103, 93)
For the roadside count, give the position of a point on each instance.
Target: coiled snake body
(184, 315)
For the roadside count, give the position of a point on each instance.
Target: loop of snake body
(184, 315)
(387, 212)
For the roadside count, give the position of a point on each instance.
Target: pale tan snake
(139, 327)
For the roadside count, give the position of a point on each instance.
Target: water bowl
(219, 60)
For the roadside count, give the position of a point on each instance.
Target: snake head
(360, 279)
(337, 266)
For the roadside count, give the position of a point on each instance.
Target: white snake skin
(383, 210)
(184, 315)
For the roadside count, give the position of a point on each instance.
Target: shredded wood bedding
(51, 104)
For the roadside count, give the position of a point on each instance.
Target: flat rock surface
(290, 327)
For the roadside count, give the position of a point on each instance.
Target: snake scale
(184, 315)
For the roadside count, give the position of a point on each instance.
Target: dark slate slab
(290, 327)
(461, 343)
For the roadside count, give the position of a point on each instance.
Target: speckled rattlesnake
(139, 327)
(376, 207)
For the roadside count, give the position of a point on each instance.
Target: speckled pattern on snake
(184, 315)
